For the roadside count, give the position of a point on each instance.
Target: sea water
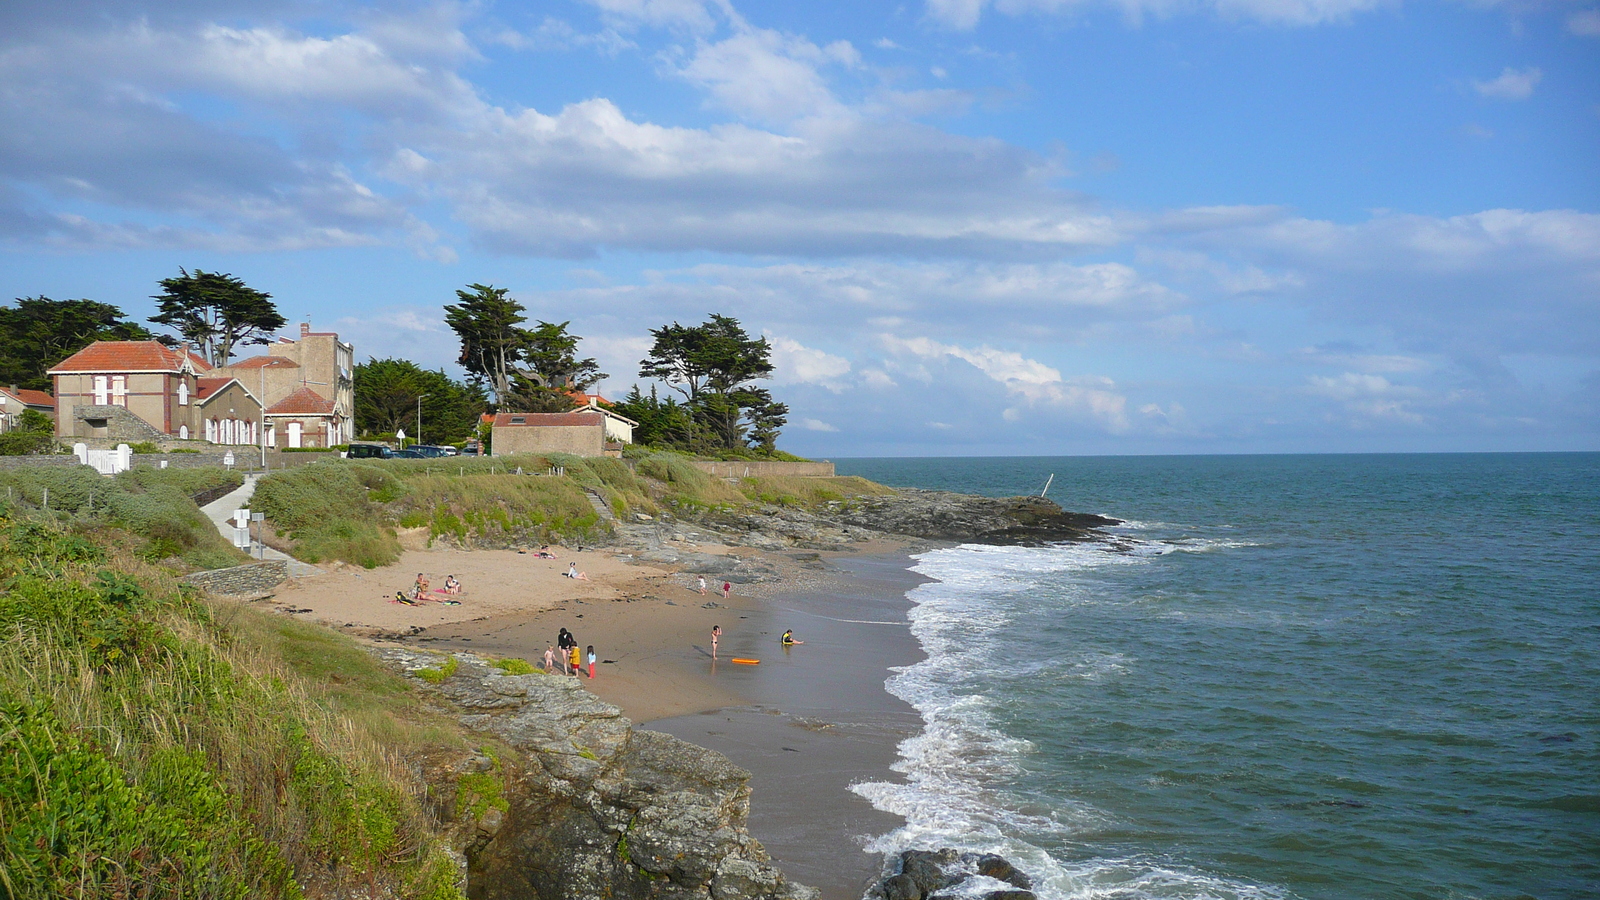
(1282, 676)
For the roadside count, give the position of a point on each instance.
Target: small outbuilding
(581, 433)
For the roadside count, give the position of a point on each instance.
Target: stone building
(308, 387)
(581, 433)
(145, 391)
(14, 401)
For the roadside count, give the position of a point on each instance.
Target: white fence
(106, 462)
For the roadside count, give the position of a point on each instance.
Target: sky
(967, 227)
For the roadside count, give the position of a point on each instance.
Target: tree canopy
(527, 369)
(713, 365)
(39, 332)
(217, 312)
(386, 401)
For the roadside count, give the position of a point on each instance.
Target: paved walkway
(220, 511)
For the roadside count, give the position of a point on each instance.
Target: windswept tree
(39, 332)
(527, 369)
(489, 323)
(712, 365)
(217, 312)
(386, 401)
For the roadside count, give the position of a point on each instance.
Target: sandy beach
(808, 721)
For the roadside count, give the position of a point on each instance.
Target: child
(549, 659)
(591, 660)
(727, 589)
(576, 658)
(788, 638)
(702, 585)
(716, 635)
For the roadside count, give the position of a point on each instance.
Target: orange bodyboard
(746, 662)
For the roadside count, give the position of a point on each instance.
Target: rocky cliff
(586, 806)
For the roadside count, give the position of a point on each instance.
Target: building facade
(308, 387)
(14, 401)
(143, 390)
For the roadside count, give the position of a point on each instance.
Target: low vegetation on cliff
(154, 746)
(353, 511)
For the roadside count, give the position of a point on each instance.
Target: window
(183, 393)
(518, 420)
(119, 390)
(183, 432)
(101, 390)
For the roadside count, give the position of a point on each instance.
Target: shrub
(514, 666)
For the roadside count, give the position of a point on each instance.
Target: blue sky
(968, 226)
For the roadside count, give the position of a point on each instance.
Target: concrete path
(220, 511)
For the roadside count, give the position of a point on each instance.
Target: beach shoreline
(807, 722)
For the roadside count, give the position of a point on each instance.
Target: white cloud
(557, 34)
(691, 15)
(1369, 397)
(796, 363)
(963, 15)
(817, 425)
(1028, 379)
(769, 76)
(1512, 84)
(1585, 22)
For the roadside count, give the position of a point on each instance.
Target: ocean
(1320, 676)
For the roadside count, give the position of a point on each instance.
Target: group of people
(421, 590)
(727, 588)
(787, 640)
(571, 657)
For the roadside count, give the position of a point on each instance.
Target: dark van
(369, 451)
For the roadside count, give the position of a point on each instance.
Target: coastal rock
(924, 873)
(1001, 869)
(596, 808)
(945, 516)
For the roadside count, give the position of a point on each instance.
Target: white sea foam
(959, 768)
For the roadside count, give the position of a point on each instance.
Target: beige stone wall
(740, 469)
(579, 440)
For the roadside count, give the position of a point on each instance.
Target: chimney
(305, 330)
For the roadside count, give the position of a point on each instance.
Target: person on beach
(576, 657)
(702, 585)
(568, 645)
(420, 586)
(727, 589)
(788, 638)
(452, 585)
(572, 570)
(549, 660)
(591, 660)
(716, 635)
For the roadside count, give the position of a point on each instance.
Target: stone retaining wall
(56, 460)
(764, 468)
(255, 578)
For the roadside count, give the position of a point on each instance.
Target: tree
(529, 370)
(661, 424)
(711, 365)
(217, 312)
(386, 401)
(39, 332)
(492, 343)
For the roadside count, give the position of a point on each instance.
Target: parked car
(433, 451)
(368, 451)
(409, 453)
(472, 448)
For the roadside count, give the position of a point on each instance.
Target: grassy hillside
(350, 510)
(154, 506)
(152, 746)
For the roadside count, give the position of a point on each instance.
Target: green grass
(514, 666)
(149, 749)
(153, 504)
(807, 492)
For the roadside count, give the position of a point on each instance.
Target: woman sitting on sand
(451, 585)
(419, 588)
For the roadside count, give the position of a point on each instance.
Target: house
(15, 400)
(145, 391)
(619, 428)
(581, 433)
(308, 387)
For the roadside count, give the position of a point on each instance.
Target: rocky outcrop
(945, 516)
(593, 807)
(924, 873)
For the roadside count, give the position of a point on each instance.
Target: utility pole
(263, 435)
(419, 415)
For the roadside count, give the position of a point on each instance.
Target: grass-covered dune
(152, 745)
(350, 510)
(153, 507)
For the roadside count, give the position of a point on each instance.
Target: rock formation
(592, 806)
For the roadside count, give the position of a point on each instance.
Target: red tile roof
(32, 398)
(127, 356)
(304, 402)
(265, 362)
(582, 417)
(205, 388)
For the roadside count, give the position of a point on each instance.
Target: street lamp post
(420, 398)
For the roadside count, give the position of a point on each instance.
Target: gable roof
(127, 356)
(578, 418)
(207, 388)
(304, 402)
(264, 362)
(30, 397)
